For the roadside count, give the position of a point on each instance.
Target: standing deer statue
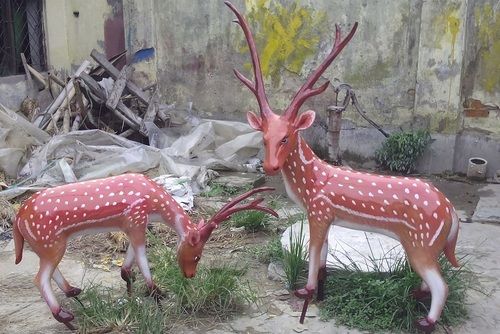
(409, 210)
(48, 219)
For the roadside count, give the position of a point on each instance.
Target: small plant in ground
(382, 301)
(400, 152)
(213, 293)
(294, 259)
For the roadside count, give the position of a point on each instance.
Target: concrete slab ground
(488, 207)
(22, 309)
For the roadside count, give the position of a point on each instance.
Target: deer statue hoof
(425, 325)
(156, 293)
(419, 294)
(73, 292)
(64, 317)
(304, 293)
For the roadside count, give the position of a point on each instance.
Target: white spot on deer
(335, 175)
(111, 194)
(360, 192)
(421, 216)
(360, 181)
(438, 202)
(346, 178)
(97, 207)
(417, 196)
(435, 215)
(426, 203)
(351, 187)
(315, 168)
(35, 208)
(447, 210)
(395, 212)
(120, 193)
(304, 180)
(395, 196)
(382, 209)
(380, 191)
(294, 180)
(389, 185)
(405, 215)
(372, 207)
(414, 184)
(83, 205)
(58, 200)
(370, 194)
(340, 185)
(353, 202)
(386, 202)
(302, 168)
(415, 207)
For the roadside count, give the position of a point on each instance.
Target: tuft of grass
(382, 301)
(214, 293)
(104, 311)
(294, 259)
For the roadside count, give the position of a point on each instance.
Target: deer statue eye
(196, 258)
(284, 140)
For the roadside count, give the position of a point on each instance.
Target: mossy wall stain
(365, 77)
(286, 36)
(488, 25)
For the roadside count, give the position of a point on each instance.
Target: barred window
(21, 31)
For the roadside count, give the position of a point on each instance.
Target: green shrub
(400, 152)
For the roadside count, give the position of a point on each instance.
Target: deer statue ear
(304, 120)
(254, 121)
(193, 237)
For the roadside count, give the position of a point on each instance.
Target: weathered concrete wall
(75, 27)
(413, 64)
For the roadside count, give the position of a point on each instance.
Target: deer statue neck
(298, 172)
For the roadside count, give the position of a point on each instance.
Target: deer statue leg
(138, 242)
(63, 284)
(126, 271)
(322, 270)
(423, 292)
(430, 272)
(42, 281)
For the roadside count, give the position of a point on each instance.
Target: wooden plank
(118, 87)
(152, 110)
(113, 71)
(122, 111)
(62, 95)
(29, 79)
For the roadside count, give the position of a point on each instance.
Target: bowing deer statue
(48, 219)
(407, 209)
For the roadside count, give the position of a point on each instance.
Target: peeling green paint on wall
(488, 23)
(286, 36)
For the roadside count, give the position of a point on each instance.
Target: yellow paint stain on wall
(488, 30)
(285, 35)
(447, 25)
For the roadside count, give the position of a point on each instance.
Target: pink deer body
(49, 218)
(409, 210)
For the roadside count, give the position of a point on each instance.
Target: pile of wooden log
(95, 97)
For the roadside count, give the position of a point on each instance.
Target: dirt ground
(22, 310)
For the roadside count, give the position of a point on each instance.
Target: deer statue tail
(451, 241)
(18, 242)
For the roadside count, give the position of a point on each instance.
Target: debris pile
(99, 122)
(100, 97)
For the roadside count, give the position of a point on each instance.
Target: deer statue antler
(409, 210)
(230, 208)
(49, 218)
